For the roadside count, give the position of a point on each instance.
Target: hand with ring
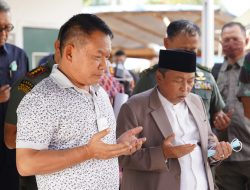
(222, 156)
(223, 151)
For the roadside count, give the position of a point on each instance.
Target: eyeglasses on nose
(6, 28)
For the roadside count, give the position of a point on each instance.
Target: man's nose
(103, 64)
(185, 87)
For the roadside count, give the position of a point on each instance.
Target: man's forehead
(232, 30)
(4, 17)
(183, 39)
(187, 35)
(104, 51)
(179, 73)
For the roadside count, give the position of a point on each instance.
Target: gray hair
(4, 7)
(231, 24)
(182, 26)
(162, 71)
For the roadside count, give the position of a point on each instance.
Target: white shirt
(57, 115)
(193, 176)
(123, 72)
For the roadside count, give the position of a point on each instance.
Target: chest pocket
(203, 89)
(222, 85)
(204, 94)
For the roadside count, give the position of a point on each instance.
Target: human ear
(165, 42)
(158, 76)
(247, 40)
(68, 51)
(57, 45)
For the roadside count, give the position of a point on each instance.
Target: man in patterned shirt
(66, 125)
(111, 86)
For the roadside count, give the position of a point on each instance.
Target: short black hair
(119, 53)
(231, 24)
(82, 24)
(162, 71)
(4, 7)
(182, 26)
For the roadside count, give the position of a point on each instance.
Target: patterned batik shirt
(57, 115)
(111, 86)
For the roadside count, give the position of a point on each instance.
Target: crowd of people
(59, 131)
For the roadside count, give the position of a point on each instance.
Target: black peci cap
(177, 60)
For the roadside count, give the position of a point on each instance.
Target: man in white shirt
(121, 73)
(177, 129)
(66, 125)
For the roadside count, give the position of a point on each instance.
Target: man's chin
(2, 42)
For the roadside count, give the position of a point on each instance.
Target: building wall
(37, 22)
(40, 14)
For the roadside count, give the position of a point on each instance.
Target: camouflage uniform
(18, 91)
(233, 173)
(205, 86)
(244, 89)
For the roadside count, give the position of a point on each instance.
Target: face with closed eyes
(84, 63)
(233, 41)
(175, 85)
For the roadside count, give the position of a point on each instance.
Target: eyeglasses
(7, 28)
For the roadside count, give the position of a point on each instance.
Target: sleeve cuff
(32, 145)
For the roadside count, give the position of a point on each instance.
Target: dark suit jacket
(146, 169)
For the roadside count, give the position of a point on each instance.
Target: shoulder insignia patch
(203, 68)
(36, 72)
(200, 75)
(25, 86)
(202, 85)
(149, 70)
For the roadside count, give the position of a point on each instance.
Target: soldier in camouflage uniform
(183, 34)
(233, 173)
(244, 89)
(18, 91)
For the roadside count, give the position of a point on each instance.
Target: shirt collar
(60, 78)
(63, 82)
(3, 49)
(227, 66)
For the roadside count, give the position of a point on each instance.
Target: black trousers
(233, 175)
(28, 183)
(9, 177)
